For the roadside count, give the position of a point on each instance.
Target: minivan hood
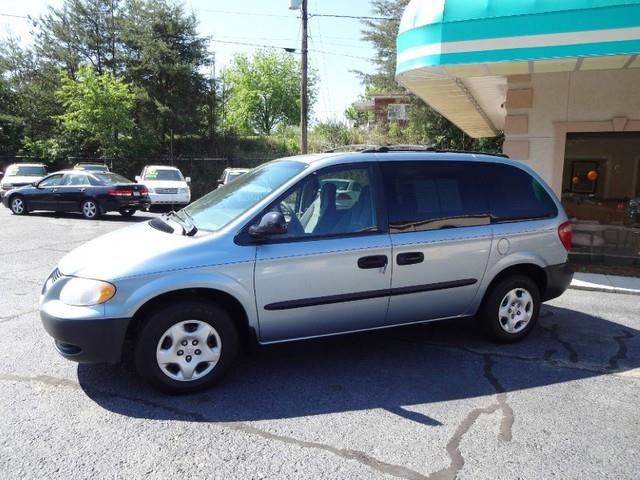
(136, 250)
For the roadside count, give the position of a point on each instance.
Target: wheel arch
(531, 270)
(227, 301)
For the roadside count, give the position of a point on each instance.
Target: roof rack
(365, 148)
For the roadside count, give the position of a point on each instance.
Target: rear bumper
(87, 341)
(111, 204)
(558, 280)
(169, 198)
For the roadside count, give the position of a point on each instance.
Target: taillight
(343, 196)
(565, 234)
(121, 193)
(143, 191)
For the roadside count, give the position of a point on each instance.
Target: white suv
(21, 174)
(166, 185)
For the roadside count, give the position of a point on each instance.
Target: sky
(334, 43)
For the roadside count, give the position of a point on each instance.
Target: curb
(621, 291)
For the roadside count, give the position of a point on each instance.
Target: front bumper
(558, 280)
(87, 341)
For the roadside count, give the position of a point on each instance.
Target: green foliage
(162, 54)
(264, 92)
(98, 106)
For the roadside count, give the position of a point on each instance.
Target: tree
(81, 31)
(99, 106)
(382, 34)
(163, 54)
(264, 91)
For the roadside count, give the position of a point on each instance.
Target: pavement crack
(506, 424)
(348, 454)
(17, 315)
(621, 354)
(553, 331)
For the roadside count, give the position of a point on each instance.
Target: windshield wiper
(192, 226)
(187, 225)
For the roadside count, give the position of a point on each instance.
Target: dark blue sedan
(89, 193)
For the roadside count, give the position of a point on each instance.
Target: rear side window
(432, 195)
(516, 195)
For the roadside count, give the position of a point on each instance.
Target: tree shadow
(392, 369)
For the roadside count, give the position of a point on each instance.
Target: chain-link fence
(204, 171)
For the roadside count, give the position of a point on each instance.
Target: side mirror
(187, 179)
(138, 178)
(272, 223)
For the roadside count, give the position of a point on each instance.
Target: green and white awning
(443, 45)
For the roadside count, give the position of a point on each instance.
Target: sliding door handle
(373, 261)
(410, 258)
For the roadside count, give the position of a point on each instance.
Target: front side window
(223, 205)
(75, 180)
(432, 195)
(323, 204)
(52, 181)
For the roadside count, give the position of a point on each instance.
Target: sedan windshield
(25, 171)
(111, 178)
(163, 174)
(223, 205)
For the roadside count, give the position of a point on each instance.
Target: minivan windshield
(25, 171)
(223, 205)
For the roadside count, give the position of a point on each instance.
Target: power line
(351, 17)
(14, 16)
(253, 14)
(288, 49)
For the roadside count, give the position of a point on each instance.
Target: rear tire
(18, 205)
(510, 309)
(186, 346)
(127, 212)
(90, 209)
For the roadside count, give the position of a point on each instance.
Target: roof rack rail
(356, 147)
(366, 148)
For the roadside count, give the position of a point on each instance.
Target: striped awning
(456, 54)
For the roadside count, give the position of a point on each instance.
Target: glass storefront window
(601, 194)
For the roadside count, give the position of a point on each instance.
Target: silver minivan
(276, 256)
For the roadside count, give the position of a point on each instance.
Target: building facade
(562, 80)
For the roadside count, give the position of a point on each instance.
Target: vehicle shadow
(107, 217)
(390, 370)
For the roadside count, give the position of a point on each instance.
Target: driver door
(330, 272)
(46, 196)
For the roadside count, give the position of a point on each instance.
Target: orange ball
(592, 176)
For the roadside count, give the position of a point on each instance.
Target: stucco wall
(584, 96)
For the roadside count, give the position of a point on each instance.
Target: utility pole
(303, 86)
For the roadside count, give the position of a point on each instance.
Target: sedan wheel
(18, 206)
(90, 209)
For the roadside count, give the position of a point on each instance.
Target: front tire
(510, 309)
(18, 205)
(186, 346)
(90, 209)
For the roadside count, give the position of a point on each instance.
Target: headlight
(84, 292)
(182, 190)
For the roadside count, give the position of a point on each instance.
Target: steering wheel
(294, 227)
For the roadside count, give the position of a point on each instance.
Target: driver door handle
(373, 261)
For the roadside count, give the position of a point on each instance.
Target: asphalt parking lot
(431, 401)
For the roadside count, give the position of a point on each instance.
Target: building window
(397, 111)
